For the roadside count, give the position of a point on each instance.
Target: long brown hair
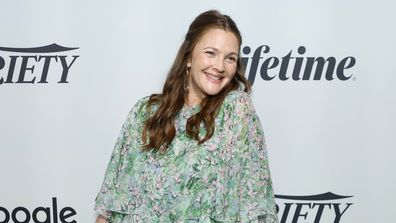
(159, 129)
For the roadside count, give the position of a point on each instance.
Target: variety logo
(33, 65)
(38, 215)
(327, 207)
(295, 67)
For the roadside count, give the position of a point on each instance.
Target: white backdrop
(322, 136)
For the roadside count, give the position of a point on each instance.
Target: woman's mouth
(213, 78)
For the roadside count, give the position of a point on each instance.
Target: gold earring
(186, 79)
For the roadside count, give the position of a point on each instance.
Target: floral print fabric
(225, 179)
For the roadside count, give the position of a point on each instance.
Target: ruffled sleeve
(250, 197)
(110, 198)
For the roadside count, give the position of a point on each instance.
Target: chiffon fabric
(225, 179)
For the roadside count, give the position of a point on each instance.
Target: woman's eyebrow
(212, 48)
(215, 49)
(232, 53)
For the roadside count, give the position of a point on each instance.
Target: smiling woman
(195, 152)
(212, 64)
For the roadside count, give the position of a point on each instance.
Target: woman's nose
(219, 65)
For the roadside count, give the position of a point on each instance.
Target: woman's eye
(232, 59)
(211, 53)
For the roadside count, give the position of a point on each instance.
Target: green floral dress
(225, 179)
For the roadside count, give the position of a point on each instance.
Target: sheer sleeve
(252, 197)
(109, 198)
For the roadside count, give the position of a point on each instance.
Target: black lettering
(66, 68)
(266, 66)
(297, 213)
(10, 70)
(285, 212)
(342, 66)
(255, 61)
(2, 64)
(55, 209)
(320, 210)
(298, 64)
(6, 215)
(337, 211)
(245, 60)
(63, 215)
(320, 62)
(24, 68)
(47, 215)
(44, 73)
(24, 210)
(284, 66)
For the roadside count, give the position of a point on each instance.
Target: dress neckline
(188, 110)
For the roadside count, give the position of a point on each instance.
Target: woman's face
(213, 64)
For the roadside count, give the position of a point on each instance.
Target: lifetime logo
(301, 68)
(311, 208)
(39, 214)
(32, 65)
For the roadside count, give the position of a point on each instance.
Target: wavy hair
(159, 129)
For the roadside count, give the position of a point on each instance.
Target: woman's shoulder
(238, 108)
(237, 99)
(140, 104)
(139, 109)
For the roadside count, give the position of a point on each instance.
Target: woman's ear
(189, 61)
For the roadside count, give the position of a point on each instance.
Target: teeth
(214, 77)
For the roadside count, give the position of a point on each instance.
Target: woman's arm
(250, 179)
(110, 197)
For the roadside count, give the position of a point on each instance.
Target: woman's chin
(212, 92)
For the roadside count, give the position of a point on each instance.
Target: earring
(186, 79)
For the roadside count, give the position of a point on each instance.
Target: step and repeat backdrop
(323, 75)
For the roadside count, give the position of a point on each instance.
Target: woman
(195, 152)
